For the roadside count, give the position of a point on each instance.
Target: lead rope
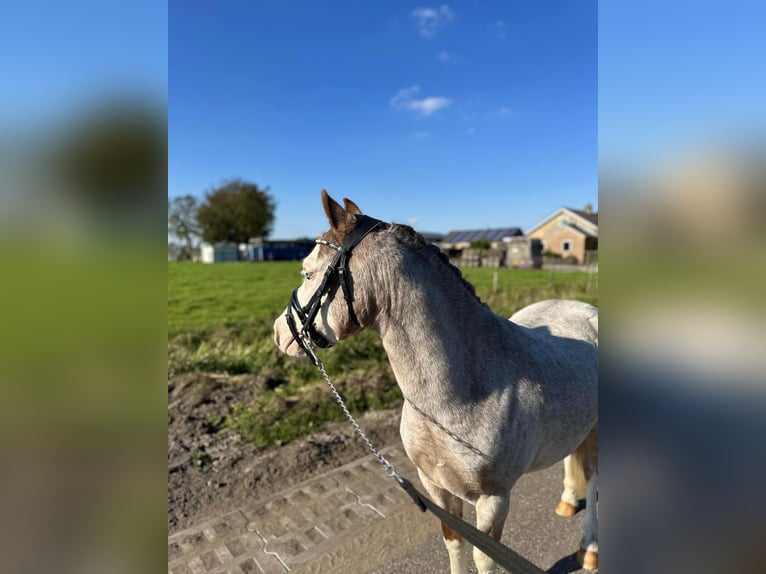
(390, 468)
(502, 555)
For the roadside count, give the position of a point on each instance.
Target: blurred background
(83, 186)
(681, 187)
(83, 180)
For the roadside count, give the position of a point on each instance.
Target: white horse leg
(573, 487)
(457, 548)
(588, 554)
(491, 512)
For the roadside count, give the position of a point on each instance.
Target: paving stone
(292, 527)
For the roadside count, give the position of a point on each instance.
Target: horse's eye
(306, 275)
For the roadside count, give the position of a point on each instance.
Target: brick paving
(355, 519)
(293, 527)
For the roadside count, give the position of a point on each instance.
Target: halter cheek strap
(337, 272)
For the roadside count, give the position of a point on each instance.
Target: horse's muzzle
(284, 339)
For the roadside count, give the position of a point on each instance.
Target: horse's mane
(408, 235)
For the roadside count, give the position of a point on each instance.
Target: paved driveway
(355, 520)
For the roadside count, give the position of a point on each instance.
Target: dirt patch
(210, 472)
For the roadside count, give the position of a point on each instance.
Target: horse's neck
(435, 336)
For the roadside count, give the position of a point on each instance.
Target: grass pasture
(220, 319)
(204, 298)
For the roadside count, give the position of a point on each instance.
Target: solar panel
(467, 236)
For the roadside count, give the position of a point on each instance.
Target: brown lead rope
(502, 555)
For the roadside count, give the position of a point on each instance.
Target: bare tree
(182, 223)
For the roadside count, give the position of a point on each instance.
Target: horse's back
(561, 340)
(562, 317)
(561, 337)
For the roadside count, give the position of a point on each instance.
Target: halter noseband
(337, 272)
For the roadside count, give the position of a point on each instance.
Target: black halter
(336, 272)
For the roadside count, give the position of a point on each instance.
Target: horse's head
(322, 309)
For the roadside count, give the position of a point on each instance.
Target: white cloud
(427, 106)
(404, 99)
(443, 56)
(403, 96)
(429, 20)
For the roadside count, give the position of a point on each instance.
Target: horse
(487, 399)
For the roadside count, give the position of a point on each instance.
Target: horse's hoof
(587, 559)
(565, 509)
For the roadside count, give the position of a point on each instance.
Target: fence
(496, 258)
(589, 264)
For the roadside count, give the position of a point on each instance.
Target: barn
(458, 246)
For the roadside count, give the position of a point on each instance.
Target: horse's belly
(561, 441)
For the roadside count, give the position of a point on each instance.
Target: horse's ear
(335, 213)
(351, 207)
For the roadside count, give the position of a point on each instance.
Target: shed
(524, 253)
(219, 252)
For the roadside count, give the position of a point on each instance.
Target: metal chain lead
(390, 468)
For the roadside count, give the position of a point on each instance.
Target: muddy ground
(210, 473)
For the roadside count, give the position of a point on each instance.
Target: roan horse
(487, 399)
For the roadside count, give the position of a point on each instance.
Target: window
(566, 246)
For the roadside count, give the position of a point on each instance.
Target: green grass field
(202, 298)
(220, 319)
(208, 298)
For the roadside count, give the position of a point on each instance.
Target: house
(568, 233)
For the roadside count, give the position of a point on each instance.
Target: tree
(182, 223)
(236, 211)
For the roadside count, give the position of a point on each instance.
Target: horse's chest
(441, 462)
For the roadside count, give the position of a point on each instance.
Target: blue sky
(449, 116)
(303, 95)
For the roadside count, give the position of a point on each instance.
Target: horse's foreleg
(491, 512)
(457, 548)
